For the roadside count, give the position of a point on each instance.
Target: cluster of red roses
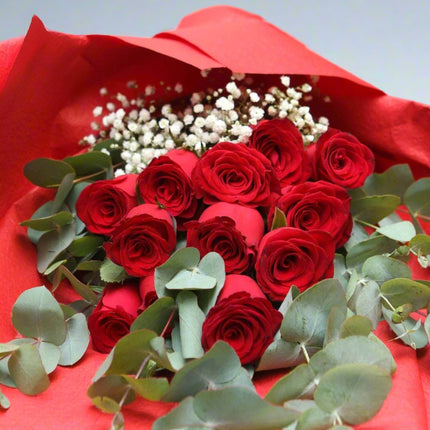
(225, 202)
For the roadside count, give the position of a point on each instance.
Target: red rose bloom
(281, 142)
(341, 158)
(289, 256)
(103, 204)
(246, 321)
(111, 319)
(147, 291)
(231, 230)
(317, 206)
(167, 181)
(144, 240)
(235, 173)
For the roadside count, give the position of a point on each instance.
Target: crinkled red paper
(49, 84)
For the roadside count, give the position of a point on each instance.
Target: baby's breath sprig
(143, 132)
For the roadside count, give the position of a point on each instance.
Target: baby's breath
(142, 131)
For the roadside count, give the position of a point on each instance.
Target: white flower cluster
(142, 132)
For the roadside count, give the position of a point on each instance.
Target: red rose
(341, 158)
(103, 204)
(231, 230)
(281, 142)
(248, 323)
(144, 240)
(289, 256)
(111, 319)
(235, 173)
(167, 181)
(317, 206)
(147, 291)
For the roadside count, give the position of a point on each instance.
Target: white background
(385, 42)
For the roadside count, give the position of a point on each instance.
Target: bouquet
(216, 230)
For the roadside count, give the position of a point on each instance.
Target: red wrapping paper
(49, 84)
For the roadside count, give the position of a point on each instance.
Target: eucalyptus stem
(305, 352)
(95, 174)
(367, 224)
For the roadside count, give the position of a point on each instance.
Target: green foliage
(279, 219)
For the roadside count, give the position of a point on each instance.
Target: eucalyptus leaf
(63, 191)
(106, 404)
(340, 272)
(305, 321)
(149, 388)
(76, 342)
(218, 368)
(96, 164)
(394, 180)
(27, 371)
(402, 231)
(52, 244)
(182, 259)
(279, 219)
(355, 392)
(5, 378)
(155, 316)
(46, 172)
(358, 234)
(335, 323)
(71, 202)
(50, 355)
(86, 245)
(299, 383)
(7, 349)
(417, 197)
(427, 326)
(400, 291)
(230, 408)
(368, 303)
(37, 314)
(314, 419)
(357, 325)
(420, 242)
(191, 319)
(191, 280)
(113, 387)
(111, 145)
(372, 209)
(4, 401)
(49, 223)
(381, 268)
(118, 422)
(111, 272)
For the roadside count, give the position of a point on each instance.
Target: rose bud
(242, 317)
(235, 173)
(341, 158)
(231, 230)
(147, 291)
(316, 206)
(111, 319)
(289, 256)
(281, 142)
(103, 204)
(144, 240)
(167, 182)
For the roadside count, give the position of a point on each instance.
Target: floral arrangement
(214, 238)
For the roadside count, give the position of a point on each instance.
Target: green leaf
(358, 234)
(191, 280)
(4, 401)
(117, 421)
(71, 202)
(335, 320)
(94, 163)
(314, 419)
(37, 314)
(349, 350)
(230, 408)
(376, 245)
(305, 321)
(299, 383)
(184, 258)
(63, 191)
(417, 197)
(111, 272)
(400, 291)
(357, 325)
(368, 302)
(85, 245)
(155, 316)
(355, 392)
(427, 327)
(27, 371)
(191, 319)
(50, 355)
(381, 268)
(46, 172)
(52, 244)
(218, 368)
(115, 153)
(279, 219)
(76, 342)
(7, 349)
(113, 388)
(394, 180)
(420, 242)
(402, 231)
(49, 223)
(340, 272)
(410, 331)
(149, 388)
(372, 209)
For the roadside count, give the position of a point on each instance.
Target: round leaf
(112, 387)
(355, 392)
(381, 268)
(50, 355)
(148, 388)
(400, 291)
(4, 401)
(95, 164)
(372, 209)
(76, 342)
(37, 314)
(417, 197)
(46, 172)
(402, 231)
(356, 325)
